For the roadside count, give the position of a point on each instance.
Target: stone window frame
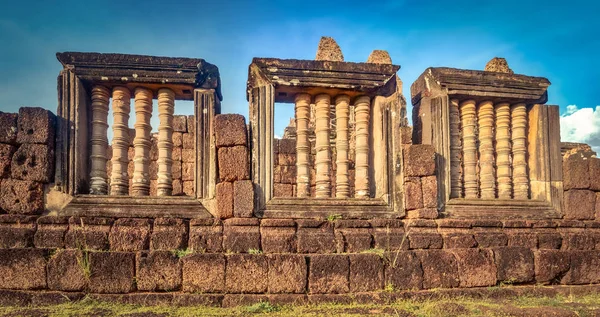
(431, 95)
(273, 80)
(190, 79)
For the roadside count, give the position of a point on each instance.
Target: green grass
(456, 306)
(180, 253)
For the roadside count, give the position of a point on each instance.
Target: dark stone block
(51, 232)
(551, 265)
(355, 239)
(419, 160)
(224, 199)
(459, 240)
(287, 273)
(429, 188)
(413, 195)
(287, 146)
(316, 240)
(111, 272)
(180, 123)
(230, 130)
(491, 239)
(584, 268)
(594, 168)
(241, 239)
(33, 162)
(158, 271)
(578, 241)
(35, 125)
(243, 199)
(8, 127)
(579, 204)
(206, 238)
(67, 270)
(204, 273)
(576, 172)
(515, 264)
(390, 238)
(425, 240)
(549, 240)
(130, 234)
(21, 197)
(22, 268)
(403, 270)
(278, 239)
(476, 267)
(439, 269)
(366, 272)
(522, 239)
(328, 274)
(169, 234)
(16, 231)
(6, 154)
(233, 163)
(246, 273)
(88, 233)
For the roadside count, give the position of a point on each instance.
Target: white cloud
(581, 125)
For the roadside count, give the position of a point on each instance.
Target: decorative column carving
(99, 140)
(302, 145)
(119, 180)
(166, 107)
(503, 150)
(342, 109)
(456, 182)
(323, 157)
(142, 142)
(519, 151)
(487, 175)
(468, 120)
(361, 184)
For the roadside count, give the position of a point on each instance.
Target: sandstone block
(111, 272)
(287, 146)
(169, 234)
(403, 270)
(549, 240)
(578, 241)
(34, 162)
(130, 234)
(224, 200)
(158, 271)
(230, 130)
(584, 268)
(233, 163)
(419, 160)
(67, 271)
(576, 172)
(246, 273)
(406, 135)
(22, 269)
(476, 267)
(551, 265)
(88, 233)
(243, 199)
(328, 274)
(21, 197)
(16, 231)
(180, 123)
(177, 171)
(354, 239)
(423, 213)
(515, 264)
(187, 171)
(522, 239)
(329, 50)
(188, 140)
(8, 127)
(439, 269)
(316, 240)
(241, 239)
(288, 174)
(35, 125)
(177, 143)
(594, 169)
(188, 188)
(429, 188)
(278, 239)
(206, 238)
(425, 240)
(6, 154)
(413, 194)
(366, 272)
(283, 190)
(204, 273)
(491, 239)
(459, 240)
(579, 204)
(287, 273)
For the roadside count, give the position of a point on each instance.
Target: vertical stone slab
(99, 141)
(166, 105)
(302, 145)
(469, 138)
(323, 159)
(328, 274)
(503, 151)
(342, 109)
(456, 180)
(119, 181)
(487, 175)
(519, 151)
(142, 142)
(361, 182)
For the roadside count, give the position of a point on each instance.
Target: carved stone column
(519, 151)
(302, 145)
(361, 183)
(322, 145)
(99, 140)
(342, 109)
(503, 150)
(166, 107)
(469, 130)
(487, 175)
(119, 180)
(456, 182)
(142, 142)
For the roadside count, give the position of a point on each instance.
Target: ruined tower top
(329, 50)
(499, 65)
(379, 57)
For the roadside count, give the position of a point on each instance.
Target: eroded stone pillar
(302, 145)
(166, 107)
(487, 175)
(322, 146)
(362, 115)
(342, 109)
(519, 151)
(503, 150)
(456, 182)
(119, 180)
(469, 137)
(99, 140)
(142, 142)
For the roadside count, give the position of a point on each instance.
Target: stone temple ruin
(351, 201)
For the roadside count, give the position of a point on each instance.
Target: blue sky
(554, 39)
